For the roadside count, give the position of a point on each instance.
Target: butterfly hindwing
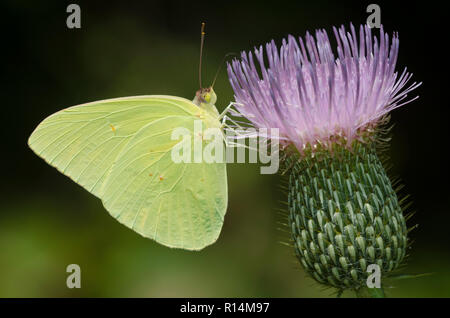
(177, 204)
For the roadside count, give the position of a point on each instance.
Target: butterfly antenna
(220, 66)
(202, 40)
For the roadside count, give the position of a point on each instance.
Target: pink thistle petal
(311, 95)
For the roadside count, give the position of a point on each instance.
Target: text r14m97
(246, 307)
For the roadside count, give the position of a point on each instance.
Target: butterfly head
(205, 96)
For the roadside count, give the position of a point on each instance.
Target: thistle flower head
(344, 214)
(313, 96)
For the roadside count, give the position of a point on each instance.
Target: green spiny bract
(344, 215)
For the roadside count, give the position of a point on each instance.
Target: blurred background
(129, 48)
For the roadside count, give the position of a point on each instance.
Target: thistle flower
(343, 211)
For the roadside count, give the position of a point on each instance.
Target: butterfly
(120, 151)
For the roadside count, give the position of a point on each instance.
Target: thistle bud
(344, 216)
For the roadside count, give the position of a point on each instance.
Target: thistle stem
(365, 292)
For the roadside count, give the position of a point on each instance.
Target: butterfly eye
(207, 97)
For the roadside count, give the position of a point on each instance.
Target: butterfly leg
(225, 111)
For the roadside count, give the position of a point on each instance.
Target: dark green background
(136, 47)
